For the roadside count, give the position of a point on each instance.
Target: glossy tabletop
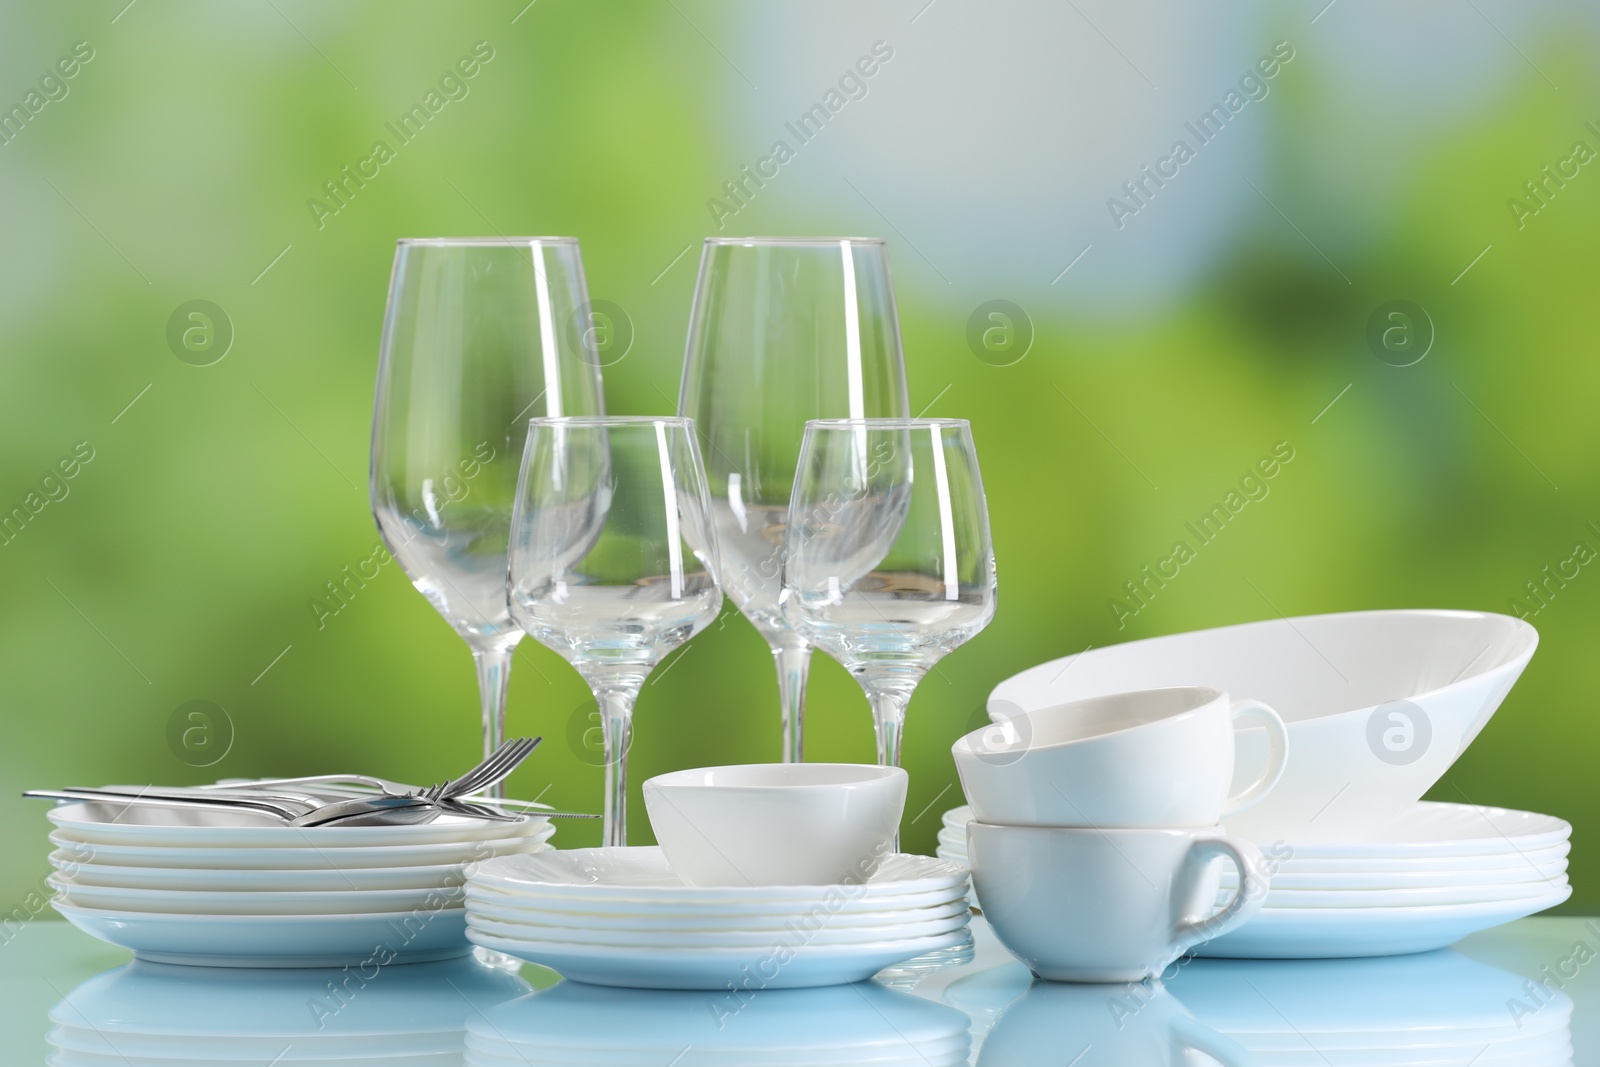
(1527, 993)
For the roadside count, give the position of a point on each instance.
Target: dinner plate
(277, 940)
(1494, 876)
(641, 874)
(483, 1051)
(239, 902)
(729, 938)
(717, 969)
(1404, 898)
(182, 1047)
(424, 877)
(1433, 828)
(511, 909)
(313, 858)
(123, 824)
(1331, 933)
(73, 1058)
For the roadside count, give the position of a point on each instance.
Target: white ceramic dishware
(105, 874)
(1147, 758)
(304, 859)
(244, 902)
(277, 940)
(776, 823)
(119, 824)
(1378, 704)
(1088, 905)
(620, 916)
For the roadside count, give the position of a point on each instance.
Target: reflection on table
(1439, 1009)
(400, 1015)
(866, 1022)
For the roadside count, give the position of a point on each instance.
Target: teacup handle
(1247, 899)
(1277, 753)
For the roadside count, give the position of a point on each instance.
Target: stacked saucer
(225, 888)
(621, 917)
(1439, 872)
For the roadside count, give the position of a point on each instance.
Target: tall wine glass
(480, 333)
(783, 330)
(613, 561)
(889, 564)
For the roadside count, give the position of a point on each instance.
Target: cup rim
(869, 773)
(1215, 694)
(889, 424)
(469, 242)
(782, 242)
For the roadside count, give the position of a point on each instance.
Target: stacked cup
(1096, 843)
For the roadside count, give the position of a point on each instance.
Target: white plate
(1332, 933)
(321, 859)
(428, 877)
(1405, 898)
(716, 969)
(589, 906)
(1286, 877)
(73, 1058)
(507, 908)
(642, 874)
(1519, 861)
(1433, 828)
(121, 824)
(276, 940)
(696, 939)
(237, 902)
(179, 1048)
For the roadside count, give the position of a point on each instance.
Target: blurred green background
(1151, 365)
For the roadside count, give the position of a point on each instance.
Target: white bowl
(1378, 703)
(776, 823)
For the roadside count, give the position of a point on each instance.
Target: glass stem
(494, 673)
(889, 719)
(793, 659)
(616, 715)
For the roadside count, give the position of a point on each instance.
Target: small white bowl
(776, 823)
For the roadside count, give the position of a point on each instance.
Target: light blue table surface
(1518, 994)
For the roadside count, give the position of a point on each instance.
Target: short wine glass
(613, 561)
(888, 561)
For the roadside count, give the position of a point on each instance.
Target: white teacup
(1152, 758)
(1089, 905)
(776, 823)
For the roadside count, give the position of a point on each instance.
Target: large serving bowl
(1378, 704)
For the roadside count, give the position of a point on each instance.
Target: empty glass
(480, 333)
(613, 560)
(888, 563)
(783, 330)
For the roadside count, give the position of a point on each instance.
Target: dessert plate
(1331, 933)
(113, 824)
(311, 858)
(506, 908)
(239, 902)
(824, 934)
(718, 969)
(277, 940)
(425, 877)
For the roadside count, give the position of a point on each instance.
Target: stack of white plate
(149, 1014)
(1438, 873)
(572, 1023)
(620, 917)
(237, 889)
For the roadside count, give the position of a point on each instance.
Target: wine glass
(480, 332)
(783, 330)
(613, 561)
(888, 563)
